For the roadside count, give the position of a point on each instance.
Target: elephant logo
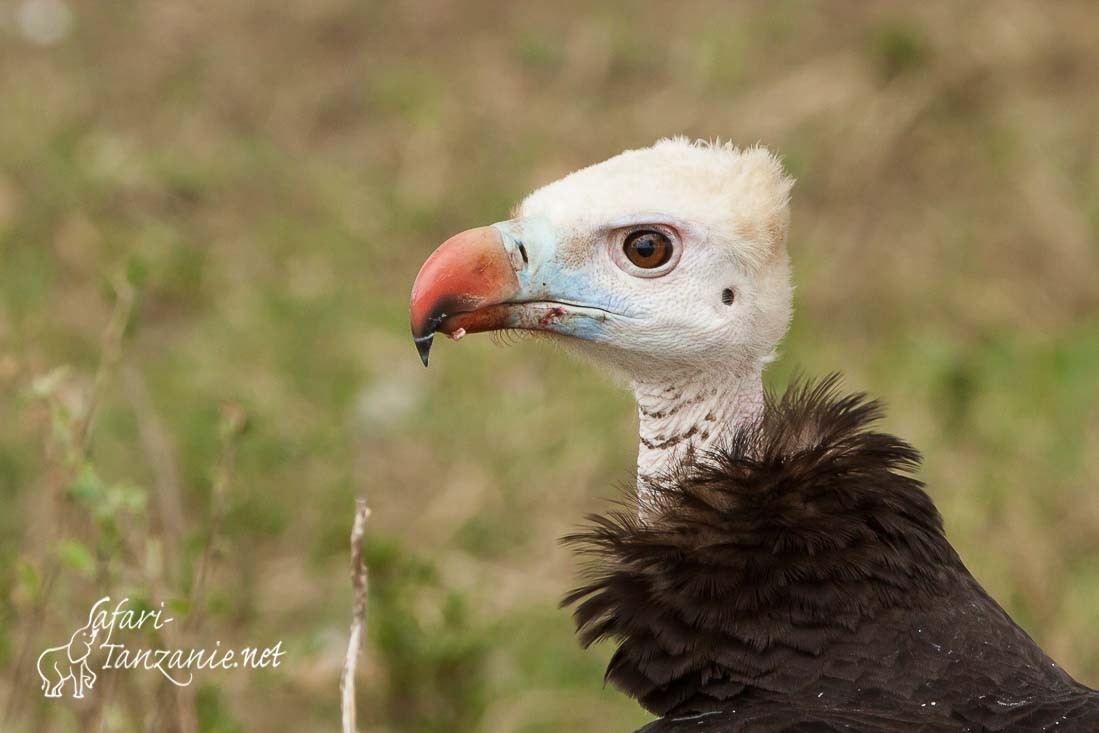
(59, 665)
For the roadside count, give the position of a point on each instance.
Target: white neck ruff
(690, 413)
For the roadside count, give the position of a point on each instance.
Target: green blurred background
(248, 189)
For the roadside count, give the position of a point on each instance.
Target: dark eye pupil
(648, 249)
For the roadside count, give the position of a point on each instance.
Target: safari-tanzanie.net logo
(68, 669)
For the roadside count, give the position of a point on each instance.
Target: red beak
(468, 272)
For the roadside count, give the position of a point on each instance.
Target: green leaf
(87, 487)
(181, 606)
(128, 496)
(29, 580)
(76, 556)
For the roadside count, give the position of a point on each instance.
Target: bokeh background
(211, 214)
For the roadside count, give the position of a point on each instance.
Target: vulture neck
(795, 557)
(687, 413)
(802, 567)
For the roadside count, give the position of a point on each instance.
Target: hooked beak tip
(423, 346)
(468, 272)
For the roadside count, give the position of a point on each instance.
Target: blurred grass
(269, 178)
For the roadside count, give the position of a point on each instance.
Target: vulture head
(797, 577)
(666, 265)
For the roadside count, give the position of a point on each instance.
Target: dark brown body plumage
(800, 580)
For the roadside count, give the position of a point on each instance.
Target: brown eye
(648, 248)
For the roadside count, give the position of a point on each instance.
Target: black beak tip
(423, 346)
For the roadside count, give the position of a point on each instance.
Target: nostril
(523, 252)
(728, 296)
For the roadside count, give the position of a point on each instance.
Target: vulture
(781, 567)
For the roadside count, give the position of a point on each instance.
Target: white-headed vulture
(782, 570)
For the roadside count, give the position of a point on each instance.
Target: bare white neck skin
(692, 412)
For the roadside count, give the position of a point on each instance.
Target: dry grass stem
(358, 617)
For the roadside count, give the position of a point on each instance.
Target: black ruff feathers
(801, 575)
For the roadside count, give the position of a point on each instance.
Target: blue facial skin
(568, 304)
